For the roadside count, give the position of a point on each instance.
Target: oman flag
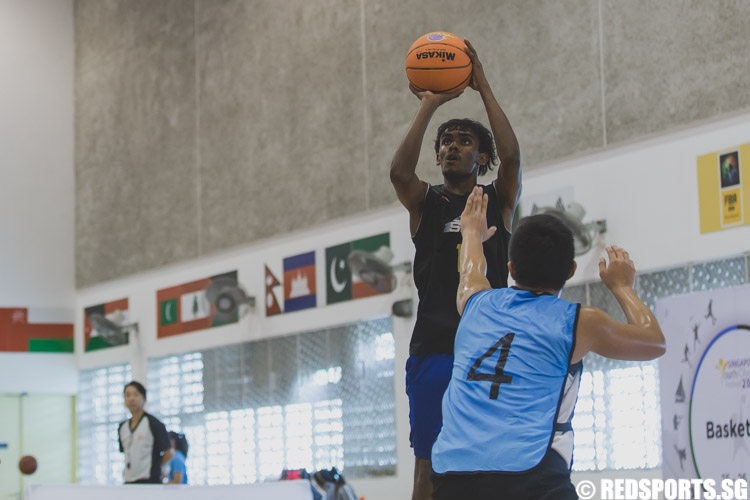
(185, 308)
(35, 330)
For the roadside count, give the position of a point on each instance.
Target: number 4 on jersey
(498, 377)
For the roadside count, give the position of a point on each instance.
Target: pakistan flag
(341, 284)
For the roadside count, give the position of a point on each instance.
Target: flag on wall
(299, 282)
(272, 303)
(115, 311)
(291, 283)
(341, 283)
(43, 332)
(185, 308)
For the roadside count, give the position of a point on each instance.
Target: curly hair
(486, 143)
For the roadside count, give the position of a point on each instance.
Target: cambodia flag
(299, 282)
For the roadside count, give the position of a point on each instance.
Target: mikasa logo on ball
(436, 54)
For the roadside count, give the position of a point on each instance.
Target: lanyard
(131, 436)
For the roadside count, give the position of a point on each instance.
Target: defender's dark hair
(180, 442)
(138, 386)
(542, 252)
(486, 144)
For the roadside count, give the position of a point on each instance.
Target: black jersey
(437, 269)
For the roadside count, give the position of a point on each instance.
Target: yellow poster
(724, 188)
(731, 212)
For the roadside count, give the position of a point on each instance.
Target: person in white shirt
(143, 439)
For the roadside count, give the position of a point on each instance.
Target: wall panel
(668, 64)
(136, 191)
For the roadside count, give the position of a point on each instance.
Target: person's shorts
(427, 378)
(550, 480)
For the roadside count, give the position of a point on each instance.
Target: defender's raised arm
(640, 338)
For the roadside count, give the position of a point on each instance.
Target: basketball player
(143, 439)
(507, 410)
(464, 149)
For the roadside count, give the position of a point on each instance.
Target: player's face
(134, 400)
(458, 153)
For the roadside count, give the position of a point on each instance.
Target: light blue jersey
(510, 376)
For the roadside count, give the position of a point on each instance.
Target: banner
(36, 330)
(724, 188)
(299, 282)
(341, 283)
(185, 308)
(116, 312)
(705, 384)
(297, 287)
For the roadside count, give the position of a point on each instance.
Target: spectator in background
(177, 469)
(143, 439)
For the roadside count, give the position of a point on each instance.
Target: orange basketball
(437, 62)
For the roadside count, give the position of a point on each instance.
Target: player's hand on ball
(477, 74)
(433, 97)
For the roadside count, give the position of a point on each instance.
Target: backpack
(334, 485)
(296, 474)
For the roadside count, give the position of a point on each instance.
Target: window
(100, 408)
(617, 421)
(315, 400)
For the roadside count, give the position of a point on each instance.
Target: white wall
(36, 144)
(36, 172)
(38, 373)
(648, 193)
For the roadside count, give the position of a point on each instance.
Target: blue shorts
(427, 378)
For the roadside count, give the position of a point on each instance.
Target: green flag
(168, 312)
(338, 274)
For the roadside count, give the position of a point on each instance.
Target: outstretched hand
(474, 216)
(620, 272)
(478, 78)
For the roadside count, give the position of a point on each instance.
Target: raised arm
(473, 263)
(409, 189)
(640, 339)
(508, 183)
